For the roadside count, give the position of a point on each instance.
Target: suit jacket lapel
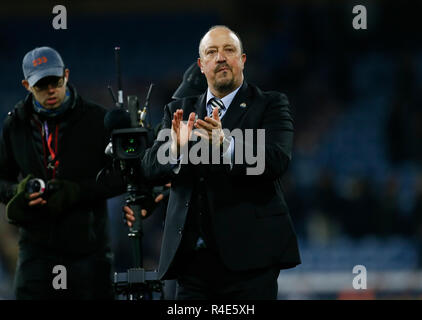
(237, 108)
(200, 107)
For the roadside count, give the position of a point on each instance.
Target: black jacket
(82, 138)
(250, 219)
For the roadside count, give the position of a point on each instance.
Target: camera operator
(59, 138)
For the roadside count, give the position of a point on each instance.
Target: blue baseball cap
(40, 63)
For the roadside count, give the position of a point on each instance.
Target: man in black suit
(228, 230)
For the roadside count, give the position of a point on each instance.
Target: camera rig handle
(134, 200)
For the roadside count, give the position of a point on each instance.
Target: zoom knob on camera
(35, 185)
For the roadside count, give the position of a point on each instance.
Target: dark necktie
(217, 103)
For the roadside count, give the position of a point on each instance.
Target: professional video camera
(130, 137)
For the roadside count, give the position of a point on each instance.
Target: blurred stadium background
(354, 186)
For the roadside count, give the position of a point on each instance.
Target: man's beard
(226, 85)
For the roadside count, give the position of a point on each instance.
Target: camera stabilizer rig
(129, 140)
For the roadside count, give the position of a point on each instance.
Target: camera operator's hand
(33, 199)
(130, 215)
(180, 131)
(17, 207)
(36, 199)
(164, 194)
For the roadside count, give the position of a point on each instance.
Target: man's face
(222, 61)
(49, 91)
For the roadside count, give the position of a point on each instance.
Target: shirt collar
(227, 100)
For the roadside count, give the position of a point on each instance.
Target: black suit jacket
(251, 222)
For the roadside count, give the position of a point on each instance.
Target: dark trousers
(204, 277)
(87, 277)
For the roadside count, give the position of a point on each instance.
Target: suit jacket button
(180, 231)
(187, 204)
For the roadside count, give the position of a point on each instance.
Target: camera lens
(35, 185)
